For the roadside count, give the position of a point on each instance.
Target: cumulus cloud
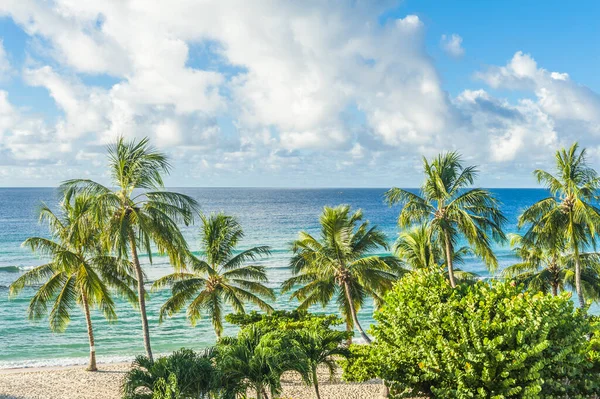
(452, 45)
(565, 101)
(84, 108)
(24, 139)
(512, 132)
(279, 87)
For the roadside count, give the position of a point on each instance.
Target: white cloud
(452, 45)
(84, 108)
(168, 133)
(557, 95)
(25, 139)
(304, 87)
(521, 132)
(302, 65)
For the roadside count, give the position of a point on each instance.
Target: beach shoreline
(33, 369)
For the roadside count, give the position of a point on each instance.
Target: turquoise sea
(269, 217)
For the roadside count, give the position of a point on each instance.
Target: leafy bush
(593, 351)
(183, 374)
(168, 389)
(255, 361)
(283, 319)
(319, 346)
(308, 336)
(478, 341)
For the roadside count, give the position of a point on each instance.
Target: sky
(283, 93)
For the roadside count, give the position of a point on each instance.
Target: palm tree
(551, 270)
(416, 250)
(139, 212)
(221, 277)
(321, 346)
(78, 273)
(452, 209)
(255, 361)
(340, 264)
(194, 374)
(568, 213)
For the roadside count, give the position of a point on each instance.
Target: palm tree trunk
(316, 382)
(141, 294)
(350, 329)
(578, 278)
(577, 264)
(353, 313)
(449, 261)
(88, 321)
(555, 273)
(259, 393)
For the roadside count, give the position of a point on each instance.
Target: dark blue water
(269, 216)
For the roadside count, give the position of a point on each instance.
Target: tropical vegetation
(546, 268)
(452, 210)
(416, 250)
(570, 213)
(78, 273)
(314, 339)
(481, 341)
(340, 264)
(222, 277)
(254, 361)
(440, 331)
(183, 374)
(139, 212)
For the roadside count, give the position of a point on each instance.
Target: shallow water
(269, 217)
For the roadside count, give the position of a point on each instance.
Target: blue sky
(561, 36)
(296, 94)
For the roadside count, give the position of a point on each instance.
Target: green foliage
(482, 341)
(320, 346)
(593, 349)
(416, 249)
(166, 389)
(221, 277)
(284, 320)
(452, 210)
(547, 267)
(78, 271)
(340, 264)
(255, 361)
(569, 217)
(182, 375)
(138, 214)
(311, 336)
(139, 211)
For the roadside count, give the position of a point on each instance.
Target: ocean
(269, 217)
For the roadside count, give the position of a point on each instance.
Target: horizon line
(296, 187)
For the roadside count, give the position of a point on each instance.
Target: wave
(9, 269)
(61, 362)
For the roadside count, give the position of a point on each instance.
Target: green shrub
(283, 320)
(478, 341)
(254, 361)
(310, 337)
(184, 373)
(593, 351)
(168, 389)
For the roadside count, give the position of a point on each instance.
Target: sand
(76, 383)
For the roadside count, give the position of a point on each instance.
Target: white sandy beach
(74, 382)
